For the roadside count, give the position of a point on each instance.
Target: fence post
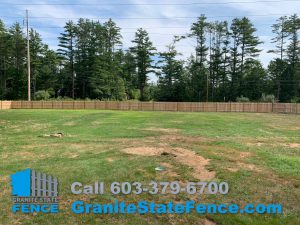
(153, 106)
(1, 105)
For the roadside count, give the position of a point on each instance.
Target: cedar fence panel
(112, 105)
(148, 106)
(47, 104)
(208, 107)
(5, 105)
(291, 108)
(223, 107)
(16, 105)
(287, 108)
(90, 105)
(100, 105)
(57, 105)
(68, 104)
(79, 104)
(36, 105)
(124, 105)
(184, 106)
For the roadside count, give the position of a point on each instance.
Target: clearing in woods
(257, 154)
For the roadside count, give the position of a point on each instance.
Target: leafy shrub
(295, 100)
(268, 98)
(41, 95)
(242, 99)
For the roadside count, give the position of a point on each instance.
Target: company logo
(34, 192)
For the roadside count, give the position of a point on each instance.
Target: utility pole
(28, 57)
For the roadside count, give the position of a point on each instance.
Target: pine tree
(218, 59)
(129, 75)
(244, 49)
(143, 52)
(16, 78)
(293, 52)
(3, 59)
(280, 29)
(170, 76)
(199, 71)
(36, 54)
(67, 51)
(278, 66)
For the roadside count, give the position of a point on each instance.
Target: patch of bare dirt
(185, 139)
(144, 151)
(294, 128)
(258, 144)
(40, 145)
(197, 162)
(245, 155)
(24, 154)
(169, 170)
(79, 146)
(164, 130)
(70, 123)
(184, 156)
(29, 155)
(292, 145)
(72, 155)
(208, 222)
(4, 179)
(250, 167)
(231, 169)
(110, 160)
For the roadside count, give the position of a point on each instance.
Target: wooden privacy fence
(157, 106)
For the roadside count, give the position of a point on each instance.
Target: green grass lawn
(257, 154)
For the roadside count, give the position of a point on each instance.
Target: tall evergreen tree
(244, 48)
(170, 83)
(143, 52)
(36, 54)
(67, 52)
(3, 59)
(293, 52)
(199, 72)
(277, 68)
(16, 82)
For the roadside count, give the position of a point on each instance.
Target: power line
(146, 18)
(135, 28)
(151, 4)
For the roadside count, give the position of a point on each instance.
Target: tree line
(91, 63)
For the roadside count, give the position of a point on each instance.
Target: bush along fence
(292, 108)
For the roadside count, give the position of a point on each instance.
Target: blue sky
(161, 21)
